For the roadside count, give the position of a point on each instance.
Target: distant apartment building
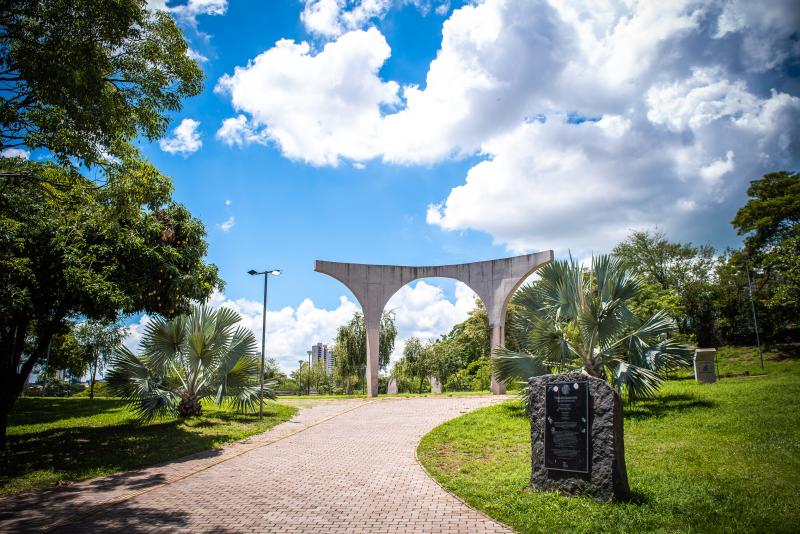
(321, 353)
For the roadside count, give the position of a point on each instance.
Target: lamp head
(252, 272)
(275, 272)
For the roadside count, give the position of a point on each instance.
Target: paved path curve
(339, 467)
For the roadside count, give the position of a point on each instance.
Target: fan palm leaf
(186, 359)
(579, 317)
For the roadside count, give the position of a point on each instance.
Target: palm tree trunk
(190, 407)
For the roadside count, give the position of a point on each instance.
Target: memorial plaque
(566, 439)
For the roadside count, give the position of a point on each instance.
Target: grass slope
(700, 458)
(55, 440)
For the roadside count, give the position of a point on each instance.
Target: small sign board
(705, 366)
(566, 437)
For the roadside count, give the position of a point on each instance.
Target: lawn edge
(459, 499)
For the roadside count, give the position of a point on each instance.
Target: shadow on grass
(637, 497)
(665, 405)
(515, 410)
(786, 351)
(76, 452)
(38, 410)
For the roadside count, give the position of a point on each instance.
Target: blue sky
(430, 132)
(287, 213)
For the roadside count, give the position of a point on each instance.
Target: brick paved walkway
(343, 466)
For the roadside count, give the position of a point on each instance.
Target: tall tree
(68, 249)
(82, 78)
(771, 214)
(350, 350)
(414, 367)
(64, 354)
(770, 223)
(672, 270)
(98, 340)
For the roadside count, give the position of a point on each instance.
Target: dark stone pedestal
(607, 478)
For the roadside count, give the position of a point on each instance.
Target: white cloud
(15, 153)
(715, 170)
(228, 202)
(422, 311)
(185, 138)
(228, 224)
(189, 11)
(195, 55)
(238, 131)
(673, 91)
(331, 18)
(315, 107)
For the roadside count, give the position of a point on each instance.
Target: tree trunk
(3, 427)
(190, 407)
(94, 374)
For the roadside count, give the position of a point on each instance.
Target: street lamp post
(253, 272)
(300, 377)
(308, 375)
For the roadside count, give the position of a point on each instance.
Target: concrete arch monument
(494, 281)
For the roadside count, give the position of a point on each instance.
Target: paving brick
(342, 466)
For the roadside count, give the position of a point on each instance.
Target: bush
(62, 388)
(477, 376)
(100, 390)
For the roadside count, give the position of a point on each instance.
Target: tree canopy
(81, 78)
(770, 222)
(772, 213)
(69, 248)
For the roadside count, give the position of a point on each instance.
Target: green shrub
(100, 390)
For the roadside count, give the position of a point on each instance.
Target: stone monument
(436, 386)
(494, 281)
(577, 445)
(391, 389)
(705, 366)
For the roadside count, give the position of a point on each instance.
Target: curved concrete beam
(494, 281)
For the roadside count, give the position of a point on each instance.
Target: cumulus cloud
(238, 131)
(228, 224)
(422, 310)
(189, 11)
(185, 139)
(315, 107)
(331, 18)
(645, 110)
(195, 55)
(15, 153)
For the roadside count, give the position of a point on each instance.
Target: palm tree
(187, 359)
(579, 318)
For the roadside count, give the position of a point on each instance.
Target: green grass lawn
(56, 440)
(723, 457)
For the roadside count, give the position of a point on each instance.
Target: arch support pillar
(372, 324)
(494, 281)
(496, 339)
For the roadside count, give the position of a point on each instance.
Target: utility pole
(753, 308)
